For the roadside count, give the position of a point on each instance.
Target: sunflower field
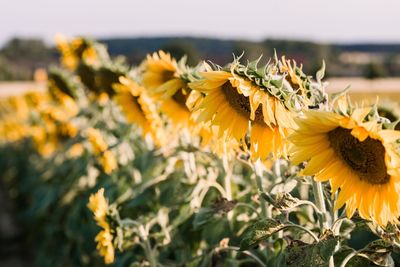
(165, 164)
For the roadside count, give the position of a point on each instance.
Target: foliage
(180, 200)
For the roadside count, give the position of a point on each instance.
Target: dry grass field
(360, 89)
(367, 90)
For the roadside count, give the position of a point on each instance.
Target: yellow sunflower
(138, 108)
(105, 246)
(99, 206)
(74, 51)
(236, 104)
(108, 161)
(100, 149)
(162, 79)
(356, 156)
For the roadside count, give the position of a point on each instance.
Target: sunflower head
(139, 108)
(159, 69)
(77, 50)
(356, 155)
(167, 82)
(391, 111)
(105, 245)
(61, 80)
(242, 99)
(98, 205)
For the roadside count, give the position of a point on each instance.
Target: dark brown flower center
(295, 86)
(366, 159)
(390, 116)
(180, 97)
(241, 103)
(167, 75)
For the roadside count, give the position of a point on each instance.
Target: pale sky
(319, 20)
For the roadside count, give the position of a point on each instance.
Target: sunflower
(108, 161)
(105, 246)
(76, 50)
(14, 115)
(237, 104)
(99, 206)
(163, 78)
(138, 108)
(100, 149)
(356, 156)
(391, 111)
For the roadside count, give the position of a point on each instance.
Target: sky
(340, 21)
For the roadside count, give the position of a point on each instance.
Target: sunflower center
(366, 159)
(167, 75)
(240, 102)
(180, 98)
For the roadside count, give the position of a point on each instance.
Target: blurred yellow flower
(138, 108)
(108, 161)
(97, 141)
(105, 246)
(99, 206)
(162, 80)
(75, 151)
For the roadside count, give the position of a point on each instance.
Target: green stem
(304, 229)
(320, 202)
(248, 253)
(149, 253)
(348, 258)
(258, 171)
(228, 174)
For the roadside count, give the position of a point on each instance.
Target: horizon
(310, 20)
(204, 37)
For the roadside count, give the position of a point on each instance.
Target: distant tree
(26, 50)
(19, 58)
(10, 71)
(252, 51)
(178, 49)
(374, 70)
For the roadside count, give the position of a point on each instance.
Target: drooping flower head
(167, 81)
(357, 156)
(76, 50)
(244, 98)
(138, 108)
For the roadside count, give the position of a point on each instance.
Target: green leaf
(300, 254)
(204, 216)
(378, 252)
(258, 232)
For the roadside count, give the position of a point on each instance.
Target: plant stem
(348, 258)
(248, 253)
(228, 174)
(147, 246)
(304, 229)
(149, 253)
(258, 171)
(320, 202)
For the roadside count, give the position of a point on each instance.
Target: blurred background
(359, 41)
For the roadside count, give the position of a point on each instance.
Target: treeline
(20, 57)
